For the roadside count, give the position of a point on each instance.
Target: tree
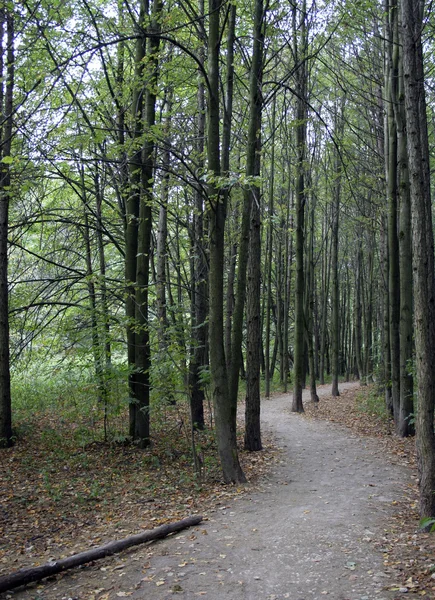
(225, 430)
(253, 199)
(422, 247)
(300, 53)
(7, 61)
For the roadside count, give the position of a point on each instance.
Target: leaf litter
(60, 497)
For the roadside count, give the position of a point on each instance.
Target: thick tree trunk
(225, 425)
(405, 426)
(253, 307)
(422, 247)
(141, 432)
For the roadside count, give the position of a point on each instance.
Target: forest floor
(333, 515)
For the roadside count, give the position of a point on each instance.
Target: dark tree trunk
(253, 308)
(225, 425)
(422, 246)
(198, 358)
(141, 430)
(132, 221)
(392, 193)
(300, 52)
(335, 319)
(6, 107)
(405, 426)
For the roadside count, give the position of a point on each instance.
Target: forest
(202, 202)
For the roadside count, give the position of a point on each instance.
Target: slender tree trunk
(393, 241)
(301, 141)
(386, 317)
(326, 270)
(335, 319)
(6, 105)
(104, 305)
(198, 357)
(162, 233)
(309, 308)
(358, 317)
(225, 167)
(132, 220)
(90, 279)
(268, 266)
(368, 367)
(288, 257)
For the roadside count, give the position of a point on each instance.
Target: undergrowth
(371, 402)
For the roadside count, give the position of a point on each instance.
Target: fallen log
(24, 576)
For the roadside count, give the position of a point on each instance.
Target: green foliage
(428, 524)
(371, 402)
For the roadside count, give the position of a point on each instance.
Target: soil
(310, 530)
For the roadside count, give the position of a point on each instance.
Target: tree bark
(405, 426)
(6, 91)
(422, 247)
(198, 354)
(267, 373)
(253, 307)
(132, 221)
(141, 433)
(225, 425)
(301, 140)
(335, 320)
(392, 194)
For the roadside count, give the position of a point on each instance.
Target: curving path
(306, 534)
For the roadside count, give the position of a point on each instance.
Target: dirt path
(307, 533)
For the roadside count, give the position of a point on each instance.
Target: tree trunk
(141, 433)
(335, 319)
(225, 426)
(392, 192)
(253, 307)
(405, 427)
(198, 357)
(300, 52)
(268, 266)
(132, 220)
(309, 308)
(422, 247)
(7, 81)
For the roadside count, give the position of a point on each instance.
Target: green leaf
(428, 522)
(7, 160)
